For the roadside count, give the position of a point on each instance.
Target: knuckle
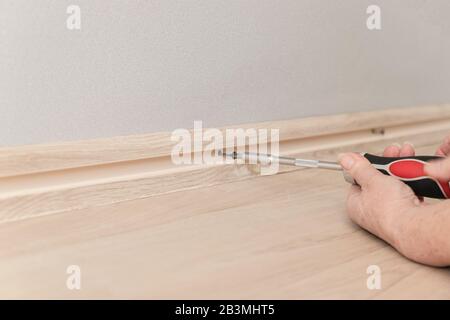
(374, 180)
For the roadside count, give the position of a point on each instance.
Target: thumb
(359, 168)
(439, 169)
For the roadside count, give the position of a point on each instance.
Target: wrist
(418, 239)
(400, 228)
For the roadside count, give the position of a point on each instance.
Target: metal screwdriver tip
(233, 155)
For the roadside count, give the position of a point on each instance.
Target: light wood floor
(275, 237)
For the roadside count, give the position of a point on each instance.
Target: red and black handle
(410, 170)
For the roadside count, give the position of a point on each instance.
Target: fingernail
(346, 161)
(429, 167)
(397, 144)
(408, 143)
(433, 167)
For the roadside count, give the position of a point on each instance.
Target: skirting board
(47, 179)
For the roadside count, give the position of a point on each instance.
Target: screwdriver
(410, 170)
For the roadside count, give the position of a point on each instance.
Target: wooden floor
(277, 237)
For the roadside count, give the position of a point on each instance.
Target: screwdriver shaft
(266, 159)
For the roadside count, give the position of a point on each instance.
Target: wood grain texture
(140, 227)
(41, 193)
(277, 237)
(58, 156)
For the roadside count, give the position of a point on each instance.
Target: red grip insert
(412, 169)
(407, 169)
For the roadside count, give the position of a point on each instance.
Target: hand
(380, 204)
(389, 209)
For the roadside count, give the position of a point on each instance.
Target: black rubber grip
(410, 170)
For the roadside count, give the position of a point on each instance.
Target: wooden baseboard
(47, 179)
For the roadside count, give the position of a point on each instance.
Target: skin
(389, 209)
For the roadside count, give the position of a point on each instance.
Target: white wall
(144, 66)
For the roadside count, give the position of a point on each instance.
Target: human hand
(389, 209)
(379, 203)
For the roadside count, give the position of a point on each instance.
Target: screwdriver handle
(410, 170)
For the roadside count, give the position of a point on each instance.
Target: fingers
(407, 150)
(392, 151)
(444, 148)
(439, 169)
(396, 150)
(359, 168)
